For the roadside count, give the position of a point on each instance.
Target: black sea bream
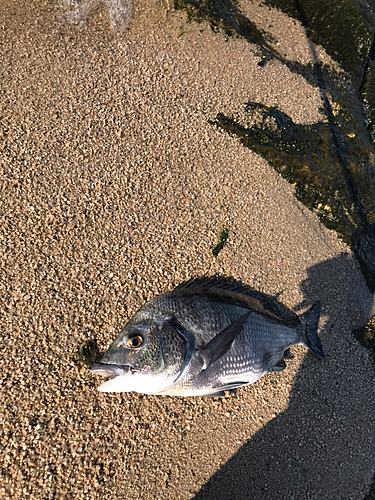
(201, 339)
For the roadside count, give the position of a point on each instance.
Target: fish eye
(135, 342)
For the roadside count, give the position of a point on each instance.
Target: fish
(203, 338)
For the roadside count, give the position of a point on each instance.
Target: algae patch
(307, 157)
(223, 236)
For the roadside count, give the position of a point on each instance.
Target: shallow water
(77, 12)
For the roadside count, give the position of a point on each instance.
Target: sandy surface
(114, 187)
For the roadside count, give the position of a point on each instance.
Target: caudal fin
(310, 322)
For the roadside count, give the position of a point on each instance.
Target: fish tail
(310, 321)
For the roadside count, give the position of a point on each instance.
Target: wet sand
(114, 188)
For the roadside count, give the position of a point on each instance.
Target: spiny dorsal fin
(267, 304)
(208, 282)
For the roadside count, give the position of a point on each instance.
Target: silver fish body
(201, 339)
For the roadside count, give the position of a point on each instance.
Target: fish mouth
(114, 374)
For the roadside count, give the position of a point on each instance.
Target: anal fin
(279, 367)
(230, 386)
(218, 392)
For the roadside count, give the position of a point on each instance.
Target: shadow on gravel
(320, 447)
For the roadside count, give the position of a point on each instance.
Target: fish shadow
(320, 446)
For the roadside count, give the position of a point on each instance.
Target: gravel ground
(114, 187)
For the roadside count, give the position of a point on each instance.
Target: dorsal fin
(256, 300)
(208, 282)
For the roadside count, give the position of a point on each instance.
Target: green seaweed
(223, 236)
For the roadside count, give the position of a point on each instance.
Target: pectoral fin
(219, 345)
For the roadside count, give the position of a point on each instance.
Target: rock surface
(114, 187)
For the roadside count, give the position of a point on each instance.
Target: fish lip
(110, 371)
(113, 375)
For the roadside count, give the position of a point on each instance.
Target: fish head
(146, 357)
